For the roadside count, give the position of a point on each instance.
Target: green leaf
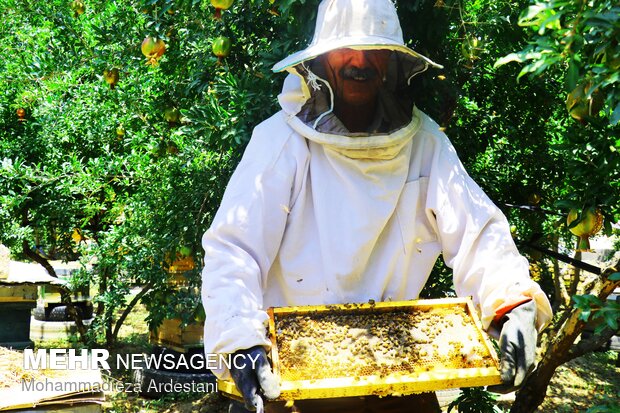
(594, 300)
(615, 276)
(512, 57)
(579, 300)
(599, 329)
(585, 314)
(615, 116)
(532, 15)
(551, 22)
(611, 318)
(566, 204)
(586, 301)
(572, 75)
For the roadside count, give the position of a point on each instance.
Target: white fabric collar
(376, 146)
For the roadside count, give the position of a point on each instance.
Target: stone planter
(15, 325)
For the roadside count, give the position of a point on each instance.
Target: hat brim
(360, 43)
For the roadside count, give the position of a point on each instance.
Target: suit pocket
(416, 223)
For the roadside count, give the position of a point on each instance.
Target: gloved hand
(237, 407)
(517, 344)
(255, 378)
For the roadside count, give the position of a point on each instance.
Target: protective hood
(312, 118)
(356, 24)
(363, 25)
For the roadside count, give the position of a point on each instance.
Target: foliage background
(106, 164)
(99, 174)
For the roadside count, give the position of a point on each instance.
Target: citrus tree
(577, 42)
(121, 121)
(542, 142)
(120, 124)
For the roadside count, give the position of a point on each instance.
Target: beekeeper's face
(356, 75)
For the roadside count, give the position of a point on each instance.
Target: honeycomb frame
(473, 366)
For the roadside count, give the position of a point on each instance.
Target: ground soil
(588, 381)
(592, 380)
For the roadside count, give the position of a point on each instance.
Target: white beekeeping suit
(316, 215)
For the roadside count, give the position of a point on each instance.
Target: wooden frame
(399, 384)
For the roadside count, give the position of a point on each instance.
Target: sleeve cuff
(503, 309)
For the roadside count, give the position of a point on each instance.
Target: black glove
(237, 407)
(517, 344)
(255, 378)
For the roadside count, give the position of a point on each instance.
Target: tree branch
(128, 309)
(590, 344)
(30, 253)
(577, 263)
(561, 293)
(575, 276)
(65, 293)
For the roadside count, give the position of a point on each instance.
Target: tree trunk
(562, 298)
(560, 348)
(108, 320)
(533, 392)
(65, 294)
(576, 275)
(128, 309)
(103, 287)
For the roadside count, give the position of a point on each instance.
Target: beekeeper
(350, 193)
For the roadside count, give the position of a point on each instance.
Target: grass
(591, 380)
(133, 338)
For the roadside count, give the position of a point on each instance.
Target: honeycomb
(339, 343)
